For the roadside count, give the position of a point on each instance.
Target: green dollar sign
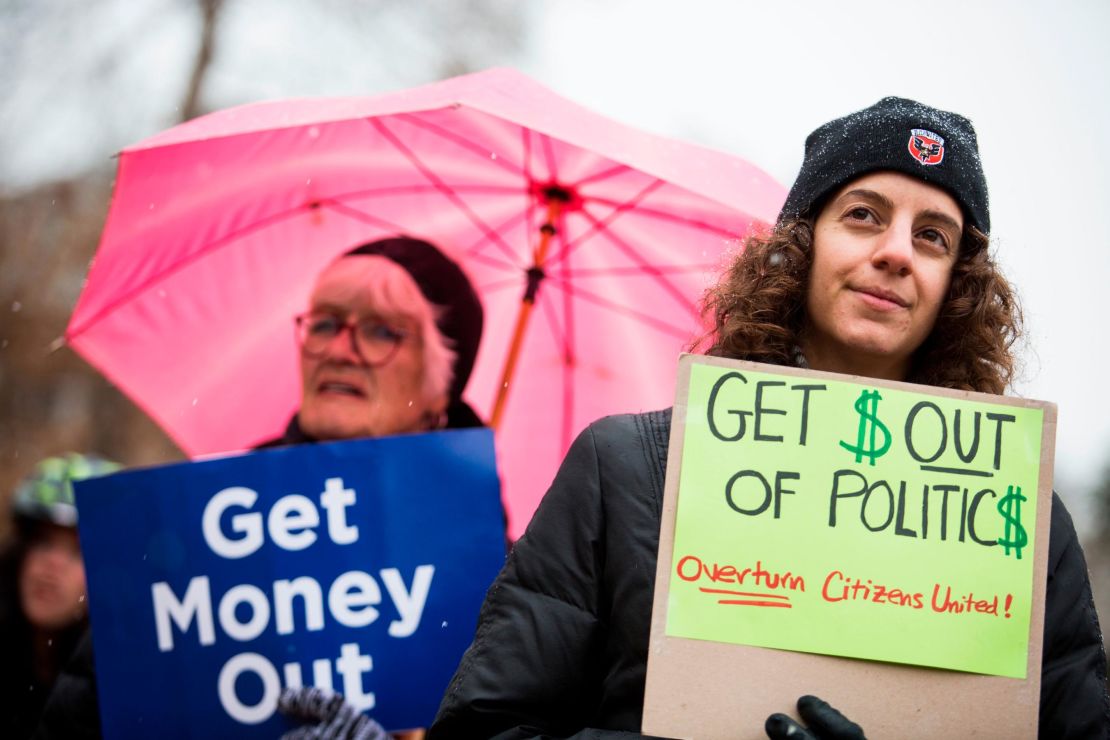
(868, 420)
(1009, 506)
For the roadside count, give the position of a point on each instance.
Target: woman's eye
(323, 326)
(934, 237)
(380, 333)
(860, 214)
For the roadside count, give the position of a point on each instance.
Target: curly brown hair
(758, 311)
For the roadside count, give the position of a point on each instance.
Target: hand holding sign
(326, 716)
(824, 723)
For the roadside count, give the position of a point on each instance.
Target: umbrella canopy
(219, 226)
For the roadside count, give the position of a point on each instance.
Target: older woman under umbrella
(386, 347)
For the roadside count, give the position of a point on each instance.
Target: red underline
(743, 593)
(756, 603)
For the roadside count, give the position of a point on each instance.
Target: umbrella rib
(660, 278)
(647, 319)
(463, 142)
(494, 262)
(526, 151)
(375, 221)
(357, 215)
(530, 209)
(553, 322)
(473, 249)
(549, 155)
(549, 313)
(498, 285)
(632, 271)
(602, 225)
(424, 188)
(443, 187)
(259, 225)
(618, 169)
(569, 359)
(670, 217)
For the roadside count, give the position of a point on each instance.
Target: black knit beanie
(445, 285)
(896, 134)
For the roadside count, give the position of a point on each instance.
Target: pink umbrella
(218, 226)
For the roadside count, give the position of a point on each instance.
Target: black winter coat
(23, 689)
(562, 640)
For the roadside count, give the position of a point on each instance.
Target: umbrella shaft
(510, 362)
(535, 277)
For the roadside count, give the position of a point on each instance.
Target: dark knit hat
(896, 134)
(445, 285)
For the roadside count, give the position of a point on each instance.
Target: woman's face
(52, 579)
(344, 396)
(883, 251)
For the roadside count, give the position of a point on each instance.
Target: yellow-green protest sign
(849, 519)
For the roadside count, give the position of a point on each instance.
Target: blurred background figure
(43, 610)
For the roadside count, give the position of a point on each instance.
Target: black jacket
(26, 678)
(562, 640)
(71, 711)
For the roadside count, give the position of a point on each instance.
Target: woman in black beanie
(878, 266)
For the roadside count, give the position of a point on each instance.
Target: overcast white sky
(750, 78)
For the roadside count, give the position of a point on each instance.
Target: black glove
(334, 718)
(825, 723)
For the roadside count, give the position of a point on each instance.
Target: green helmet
(47, 493)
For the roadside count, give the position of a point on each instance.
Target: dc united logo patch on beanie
(926, 147)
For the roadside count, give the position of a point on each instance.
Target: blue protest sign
(358, 566)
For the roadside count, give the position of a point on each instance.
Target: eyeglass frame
(351, 327)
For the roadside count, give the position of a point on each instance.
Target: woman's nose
(342, 346)
(894, 250)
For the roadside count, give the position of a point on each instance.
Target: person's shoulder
(1062, 538)
(616, 437)
(293, 435)
(631, 423)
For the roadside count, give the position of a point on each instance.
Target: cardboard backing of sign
(704, 689)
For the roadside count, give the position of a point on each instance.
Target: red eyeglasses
(373, 340)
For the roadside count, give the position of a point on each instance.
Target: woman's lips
(43, 590)
(340, 388)
(882, 300)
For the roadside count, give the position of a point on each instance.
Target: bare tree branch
(190, 106)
